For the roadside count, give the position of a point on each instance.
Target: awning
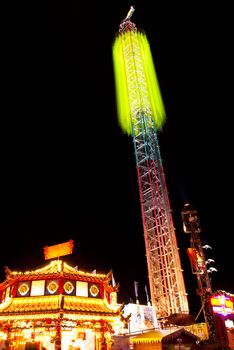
(148, 337)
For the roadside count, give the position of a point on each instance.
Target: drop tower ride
(141, 114)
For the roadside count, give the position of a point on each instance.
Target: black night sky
(68, 171)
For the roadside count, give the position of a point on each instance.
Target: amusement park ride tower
(191, 225)
(141, 114)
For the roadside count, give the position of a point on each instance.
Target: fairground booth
(59, 307)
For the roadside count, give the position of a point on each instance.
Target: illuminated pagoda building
(141, 114)
(59, 307)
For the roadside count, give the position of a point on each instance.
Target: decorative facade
(59, 307)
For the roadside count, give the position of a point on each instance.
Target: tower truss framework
(191, 225)
(141, 112)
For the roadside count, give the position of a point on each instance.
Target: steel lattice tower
(191, 225)
(141, 114)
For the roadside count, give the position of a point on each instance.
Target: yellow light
(215, 301)
(229, 304)
(136, 84)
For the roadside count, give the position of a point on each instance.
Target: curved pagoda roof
(59, 289)
(54, 269)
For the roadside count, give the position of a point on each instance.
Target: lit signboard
(222, 305)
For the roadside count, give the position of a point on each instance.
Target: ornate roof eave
(71, 316)
(110, 288)
(54, 314)
(5, 284)
(56, 268)
(58, 303)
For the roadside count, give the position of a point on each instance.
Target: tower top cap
(129, 14)
(126, 23)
